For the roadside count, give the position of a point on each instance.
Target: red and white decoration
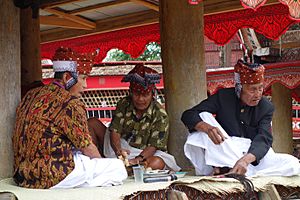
(194, 1)
(293, 5)
(254, 4)
(294, 8)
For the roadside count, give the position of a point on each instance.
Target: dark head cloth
(142, 79)
(249, 73)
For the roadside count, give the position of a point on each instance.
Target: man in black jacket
(239, 137)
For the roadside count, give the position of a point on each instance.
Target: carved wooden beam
(111, 24)
(73, 18)
(146, 4)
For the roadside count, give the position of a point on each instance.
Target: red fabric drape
(271, 21)
(131, 41)
(253, 3)
(294, 8)
(293, 5)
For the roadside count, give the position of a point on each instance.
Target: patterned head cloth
(142, 79)
(65, 59)
(249, 73)
(245, 73)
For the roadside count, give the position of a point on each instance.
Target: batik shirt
(50, 124)
(151, 129)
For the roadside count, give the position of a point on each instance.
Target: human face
(141, 101)
(79, 87)
(252, 93)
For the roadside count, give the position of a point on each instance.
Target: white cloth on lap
(94, 172)
(204, 154)
(109, 152)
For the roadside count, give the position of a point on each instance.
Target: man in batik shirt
(139, 125)
(52, 144)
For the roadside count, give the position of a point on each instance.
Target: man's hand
(213, 132)
(123, 152)
(241, 165)
(135, 161)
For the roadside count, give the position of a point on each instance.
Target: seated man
(139, 124)
(52, 144)
(240, 137)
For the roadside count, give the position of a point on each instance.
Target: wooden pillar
(30, 49)
(227, 55)
(282, 119)
(182, 39)
(9, 81)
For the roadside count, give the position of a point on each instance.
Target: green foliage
(151, 53)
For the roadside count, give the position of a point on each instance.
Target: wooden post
(30, 49)
(183, 63)
(282, 119)
(228, 55)
(9, 81)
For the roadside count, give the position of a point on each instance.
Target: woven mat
(205, 184)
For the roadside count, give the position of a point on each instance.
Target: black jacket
(253, 122)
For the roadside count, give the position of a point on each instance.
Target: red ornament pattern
(271, 21)
(294, 8)
(254, 4)
(131, 41)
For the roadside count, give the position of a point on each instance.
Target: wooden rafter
(56, 3)
(287, 45)
(98, 7)
(73, 18)
(61, 22)
(146, 4)
(220, 6)
(111, 24)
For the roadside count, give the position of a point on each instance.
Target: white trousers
(94, 172)
(204, 154)
(109, 152)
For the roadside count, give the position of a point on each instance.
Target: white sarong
(109, 152)
(204, 154)
(94, 172)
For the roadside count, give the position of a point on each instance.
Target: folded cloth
(205, 155)
(109, 152)
(94, 172)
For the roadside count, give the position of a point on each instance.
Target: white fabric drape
(204, 154)
(109, 152)
(94, 172)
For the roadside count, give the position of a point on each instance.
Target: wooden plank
(287, 45)
(146, 4)
(220, 6)
(73, 18)
(55, 3)
(116, 23)
(98, 7)
(57, 21)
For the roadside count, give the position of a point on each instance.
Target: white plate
(156, 172)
